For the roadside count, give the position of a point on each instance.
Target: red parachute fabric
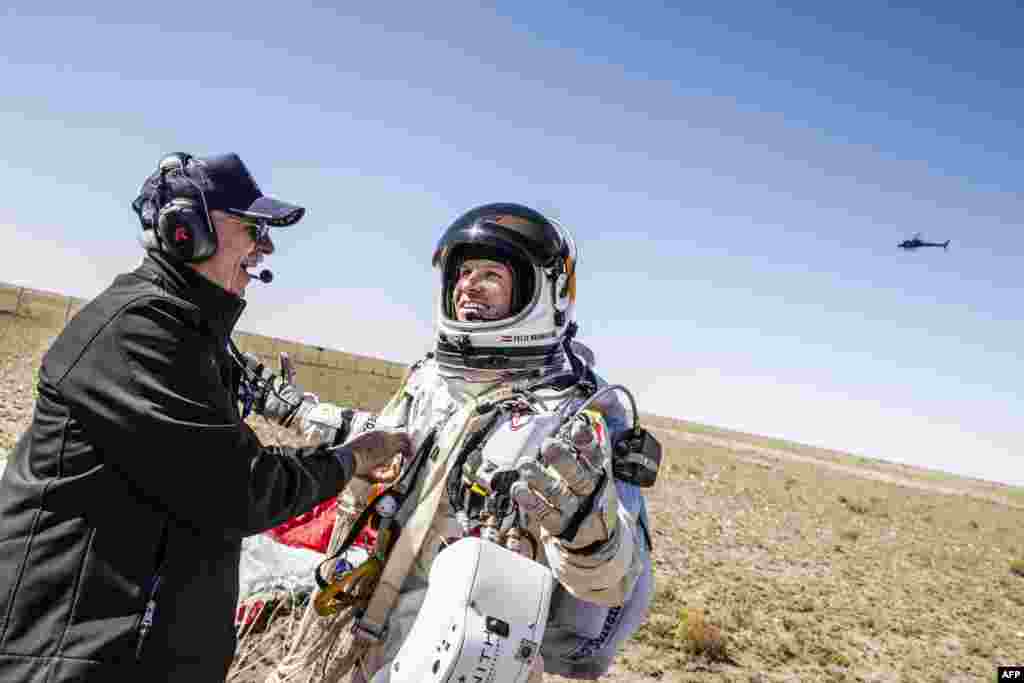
(311, 530)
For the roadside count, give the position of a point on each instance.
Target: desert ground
(781, 562)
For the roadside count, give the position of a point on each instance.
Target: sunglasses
(258, 230)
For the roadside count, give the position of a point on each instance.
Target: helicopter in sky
(916, 242)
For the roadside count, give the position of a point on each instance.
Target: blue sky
(737, 178)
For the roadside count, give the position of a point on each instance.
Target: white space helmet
(542, 256)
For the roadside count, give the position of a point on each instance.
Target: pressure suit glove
(278, 398)
(567, 490)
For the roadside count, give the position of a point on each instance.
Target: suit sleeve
(605, 575)
(149, 395)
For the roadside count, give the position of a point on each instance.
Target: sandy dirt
(787, 564)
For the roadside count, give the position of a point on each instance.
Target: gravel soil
(783, 564)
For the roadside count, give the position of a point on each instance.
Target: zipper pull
(147, 618)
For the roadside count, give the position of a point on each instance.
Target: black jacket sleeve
(149, 394)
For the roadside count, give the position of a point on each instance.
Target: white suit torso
(587, 613)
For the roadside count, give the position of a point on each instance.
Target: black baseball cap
(222, 182)
(228, 186)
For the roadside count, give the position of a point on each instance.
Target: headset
(179, 227)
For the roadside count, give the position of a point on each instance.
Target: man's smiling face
(483, 290)
(240, 246)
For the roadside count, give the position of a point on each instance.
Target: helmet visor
(541, 243)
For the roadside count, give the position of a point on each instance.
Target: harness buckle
(366, 631)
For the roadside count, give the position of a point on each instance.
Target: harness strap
(355, 526)
(372, 625)
(398, 490)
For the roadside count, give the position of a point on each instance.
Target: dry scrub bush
(854, 506)
(701, 637)
(849, 535)
(1017, 567)
(978, 647)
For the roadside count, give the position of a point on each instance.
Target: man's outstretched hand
(378, 454)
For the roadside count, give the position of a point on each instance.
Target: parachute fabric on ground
(320, 648)
(308, 647)
(267, 564)
(310, 530)
(276, 582)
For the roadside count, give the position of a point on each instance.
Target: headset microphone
(264, 276)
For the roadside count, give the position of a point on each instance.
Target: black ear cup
(183, 229)
(184, 232)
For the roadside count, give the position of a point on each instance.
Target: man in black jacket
(123, 506)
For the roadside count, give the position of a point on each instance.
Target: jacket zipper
(149, 615)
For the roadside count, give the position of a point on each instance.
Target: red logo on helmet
(181, 234)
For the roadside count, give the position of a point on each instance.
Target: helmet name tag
(525, 338)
